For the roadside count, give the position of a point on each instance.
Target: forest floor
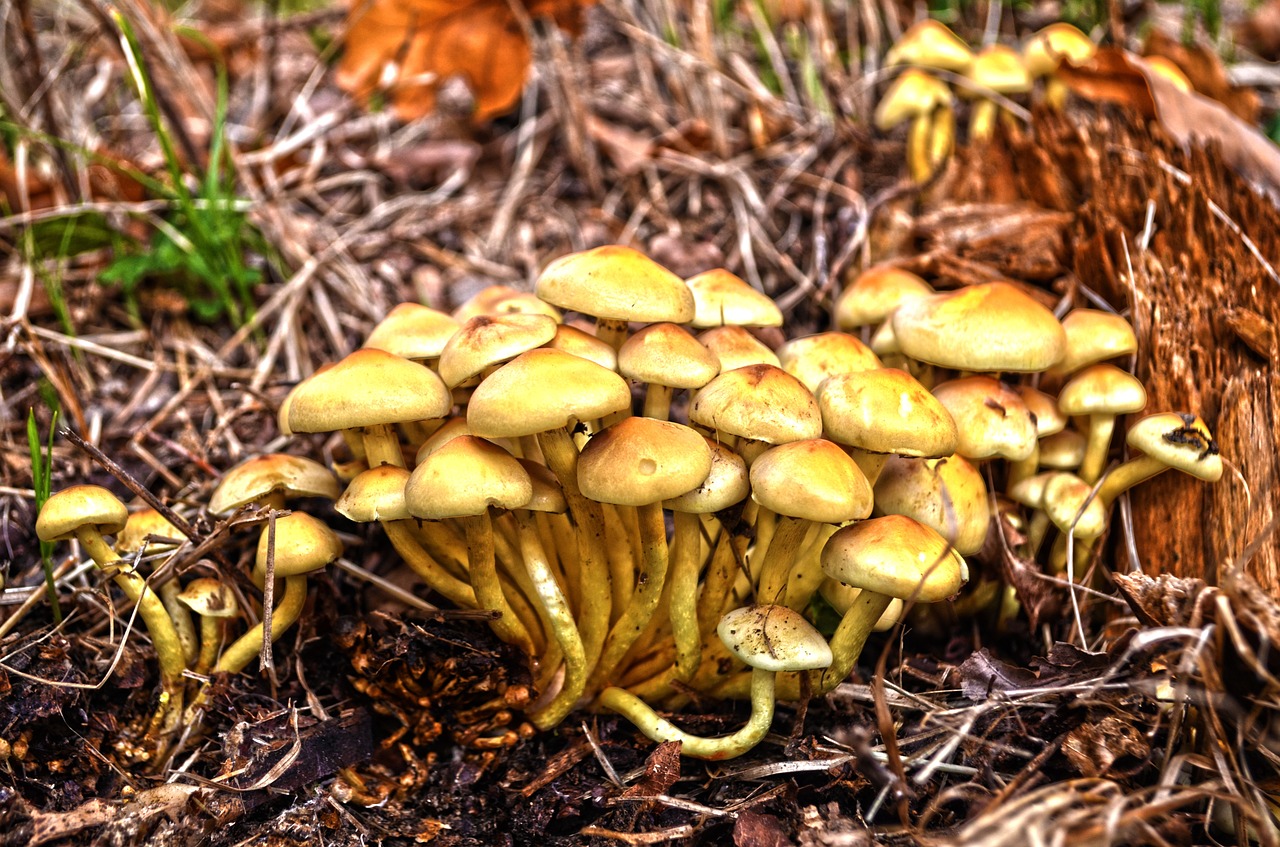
(1139, 711)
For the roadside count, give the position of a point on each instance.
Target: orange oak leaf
(409, 47)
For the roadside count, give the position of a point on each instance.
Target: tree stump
(1190, 250)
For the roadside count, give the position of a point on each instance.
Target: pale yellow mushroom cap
(375, 495)
(930, 43)
(913, 93)
(1058, 42)
(1181, 441)
(367, 388)
(413, 331)
(721, 298)
(813, 479)
(638, 461)
(616, 283)
(255, 478)
(466, 476)
(78, 506)
(774, 638)
(873, 295)
(487, 340)
(302, 544)
(759, 402)
(541, 390)
(896, 556)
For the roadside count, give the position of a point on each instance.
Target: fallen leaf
(753, 829)
(1117, 76)
(982, 674)
(1260, 31)
(1094, 748)
(1204, 68)
(413, 46)
(661, 770)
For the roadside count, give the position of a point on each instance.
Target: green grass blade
(41, 473)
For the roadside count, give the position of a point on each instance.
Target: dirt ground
(1138, 712)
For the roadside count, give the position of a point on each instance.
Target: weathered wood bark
(1191, 249)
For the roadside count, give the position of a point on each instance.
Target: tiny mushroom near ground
(769, 639)
(1102, 392)
(926, 102)
(215, 603)
(1045, 51)
(148, 531)
(1167, 441)
(996, 68)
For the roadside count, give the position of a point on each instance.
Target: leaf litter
(399, 727)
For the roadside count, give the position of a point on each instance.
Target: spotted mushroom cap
(774, 638)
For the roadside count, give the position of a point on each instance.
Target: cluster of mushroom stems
(936, 66)
(654, 502)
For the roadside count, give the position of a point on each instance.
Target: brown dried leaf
(1260, 31)
(1120, 77)
(981, 674)
(661, 770)
(1094, 747)
(756, 830)
(426, 42)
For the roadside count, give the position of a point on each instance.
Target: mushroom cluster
(656, 504)
(929, 51)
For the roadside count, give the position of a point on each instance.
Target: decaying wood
(1189, 250)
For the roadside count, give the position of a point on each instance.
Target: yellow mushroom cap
(1094, 336)
(913, 93)
(79, 506)
(210, 598)
(885, 411)
(616, 283)
(487, 340)
(812, 479)
(998, 67)
(1070, 503)
(735, 348)
(991, 419)
(871, 297)
(667, 354)
(993, 326)
(639, 461)
(774, 638)
(504, 300)
(930, 43)
(375, 495)
(1102, 389)
(541, 390)
(584, 345)
(721, 298)
(759, 402)
(255, 478)
(302, 544)
(142, 523)
(367, 388)
(412, 331)
(466, 476)
(1046, 49)
(726, 484)
(896, 556)
(814, 358)
(1181, 441)
(948, 495)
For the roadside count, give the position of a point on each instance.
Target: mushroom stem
(612, 332)
(657, 401)
(871, 464)
(382, 446)
(593, 570)
(286, 613)
(1020, 469)
(685, 546)
(483, 567)
(425, 566)
(696, 746)
(563, 627)
(183, 625)
(1126, 476)
(644, 601)
(788, 535)
(849, 638)
(164, 636)
(729, 551)
(1101, 427)
(211, 633)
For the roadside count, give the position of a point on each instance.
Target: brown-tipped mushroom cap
(813, 358)
(368, 388)
(210, 598)
(639, 461)
(375, 495)
(948, 495)
(78, 506)
(735, 348)
(813, 479)
(874, 294)
(254, 479)
(895, 556)
(774, 638)
(544, 389)
(487, 340)
(412, 331)
(465, 477)
(991, 419)
(759, 402)
(666, 354)
(721, 298)
(616, 283)
(987, 327)
(886, 411)
(302, 544)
